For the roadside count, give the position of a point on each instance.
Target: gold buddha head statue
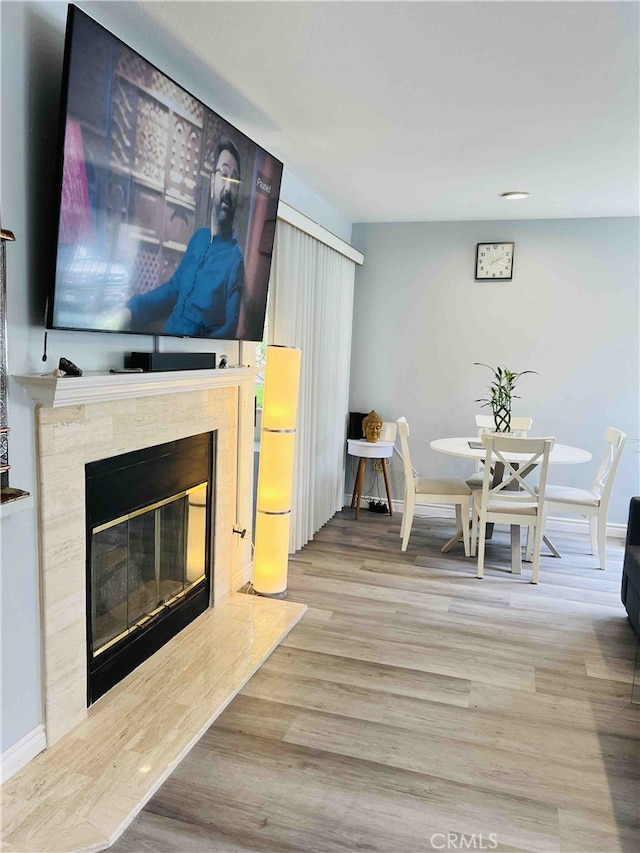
(372, 426)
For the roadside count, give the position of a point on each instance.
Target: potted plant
(501, 394)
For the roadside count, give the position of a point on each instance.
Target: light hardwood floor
(415, 708)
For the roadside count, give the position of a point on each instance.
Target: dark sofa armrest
(630, 589)
(633, 530)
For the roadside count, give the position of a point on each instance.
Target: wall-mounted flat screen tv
(167, 212)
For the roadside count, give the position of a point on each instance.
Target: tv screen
(167, 212)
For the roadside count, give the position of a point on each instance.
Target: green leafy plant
(501, 394)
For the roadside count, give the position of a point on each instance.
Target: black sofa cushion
(630, 592)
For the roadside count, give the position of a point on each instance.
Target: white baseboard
(560, 525)
(21, 753)
(581, 525)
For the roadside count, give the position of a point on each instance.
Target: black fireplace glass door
(143, 593)
(150, 532)
(196, 534)
(141, 563)
(109, 584)
(172, 541)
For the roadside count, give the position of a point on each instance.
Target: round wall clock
(494, 260)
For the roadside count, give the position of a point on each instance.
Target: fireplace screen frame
(161, 601)
(173, 469)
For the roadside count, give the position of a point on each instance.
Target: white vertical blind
(311, 307)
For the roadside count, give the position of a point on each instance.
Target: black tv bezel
(72, 11)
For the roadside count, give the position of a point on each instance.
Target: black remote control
(69, 367)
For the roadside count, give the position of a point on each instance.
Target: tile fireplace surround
(78, 420)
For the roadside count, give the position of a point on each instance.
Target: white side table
(369, 450)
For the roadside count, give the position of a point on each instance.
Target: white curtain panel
(311, 307)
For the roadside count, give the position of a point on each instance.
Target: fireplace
(82, 419)
(149, 551)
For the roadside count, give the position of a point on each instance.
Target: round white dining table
(563, 454)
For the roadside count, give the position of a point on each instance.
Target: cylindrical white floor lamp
(275, 474)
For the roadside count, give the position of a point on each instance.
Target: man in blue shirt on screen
(203, 295)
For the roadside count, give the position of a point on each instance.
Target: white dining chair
(592, 503)
(388, 431)
(422, 491)
(520, 427)
(513, 500)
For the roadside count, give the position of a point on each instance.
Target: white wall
(32, 39)
(571, 313)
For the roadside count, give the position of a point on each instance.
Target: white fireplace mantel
(100, 387)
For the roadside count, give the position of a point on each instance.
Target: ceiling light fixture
(514, 195)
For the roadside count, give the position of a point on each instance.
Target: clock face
(494, 260)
